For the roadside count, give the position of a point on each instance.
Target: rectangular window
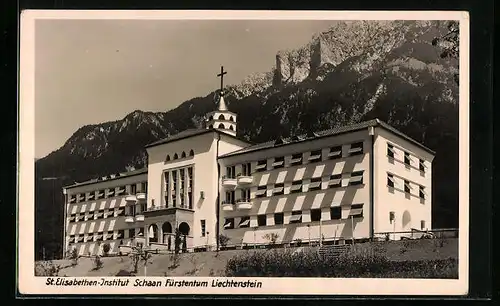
(120, 190)
(121, 234)
(390, 150)
(422, 224)
(421, 192)
(315, 156)
(261, 191)
(203, 226)
(144, 187)
(100, 236)
(335, 152)
(296, 187)
(100, 194)
(296, 159)
(133, 189)
(407, 159)
(335, 181)
(315, 184)
(245, 195)
(279, 162)
(315, 215)
(278, 218)
(356, 211)
(111, 193)
(90, 196)
(230, 197)
(407, 187)
(356, 149)
(296, 217)
(336, 213)
(229, 223)
(231, 172)
(356, 178)
(190, 200)
(278, 189)
(421, 165)
(244, 222)
(246, 169)
(261, 165)
(72, 199)
(390, 180)
(261, 220)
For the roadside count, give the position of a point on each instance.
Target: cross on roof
(221, 75)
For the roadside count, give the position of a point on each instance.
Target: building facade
(348, 183)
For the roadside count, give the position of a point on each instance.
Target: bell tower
(222, 119)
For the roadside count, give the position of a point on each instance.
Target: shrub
(271, 238)
(96, 263)
(309, 263)
(73, 256)
(223, 240)
(47, 268)
(105, 249)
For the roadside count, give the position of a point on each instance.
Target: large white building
(351, 182)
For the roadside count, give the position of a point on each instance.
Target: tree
(105, 249)
(449, 42)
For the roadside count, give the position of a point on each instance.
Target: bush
(223, 240)
(96, 263)
(73, 256)
(309, 263)
(105, 249)
(47, 268)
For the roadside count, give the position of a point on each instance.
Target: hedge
(309, 263)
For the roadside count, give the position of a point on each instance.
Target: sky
(93, 71)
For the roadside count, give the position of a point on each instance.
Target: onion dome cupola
(222, 119)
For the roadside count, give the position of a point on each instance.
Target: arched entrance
(406, 221)
(167, 234)
(153, 233)
(184, 228)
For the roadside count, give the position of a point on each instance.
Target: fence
(332, 244)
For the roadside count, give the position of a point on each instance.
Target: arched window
(168, 157)
(191, 153)
(231, 118)
(183, 155)
(221, 126)
(231, 128)
(176, 156)
(210, 126)
(221, 117)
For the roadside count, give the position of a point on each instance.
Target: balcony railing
(244, 179)
(131, 198)
(229, 182)
(244, 203)
(129, 218)
(141, 196)
(227, 206)
(139, 217)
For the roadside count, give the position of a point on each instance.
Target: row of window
(178, 188)
(131, 189)
(298, 186)
(102, 236)
(408, 186)
(131, 210)
(182, 155)
(296, 160)
(221, 117)
(336, 213)
(407, 159)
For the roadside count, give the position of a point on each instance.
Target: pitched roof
(331, 132)
(190, 133)
(109, 178)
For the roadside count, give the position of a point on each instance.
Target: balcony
(129, 219)
(130, 198)
(245, 179)
(244, 204)
(141, 196)
(227, 206)
(139, 217)
(229, 182)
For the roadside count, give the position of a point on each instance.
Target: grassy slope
(209, 264)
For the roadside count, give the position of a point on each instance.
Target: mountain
(352, 72)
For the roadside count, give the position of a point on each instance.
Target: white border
(29, 284)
